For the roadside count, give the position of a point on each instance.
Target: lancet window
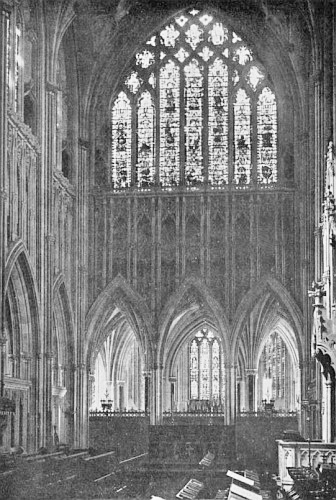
(204, 367)
(195, 108)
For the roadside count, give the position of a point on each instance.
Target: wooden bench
(190, 490)
(207, 460)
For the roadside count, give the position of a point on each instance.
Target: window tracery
(204, 371)
(199, 101)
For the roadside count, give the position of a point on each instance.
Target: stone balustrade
(302, 454)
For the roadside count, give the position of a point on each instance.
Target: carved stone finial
(317, 291)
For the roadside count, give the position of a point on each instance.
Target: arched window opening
(62, 143)
(117, 381)
(195, 108)
(277, 379)
(14, 59)
(205, 371)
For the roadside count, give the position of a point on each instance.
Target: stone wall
(128, 436)
(256, 440)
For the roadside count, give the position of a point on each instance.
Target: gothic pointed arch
(22, 330)
(118, 298)
(63, 362)
(190, 306)
(258, 299)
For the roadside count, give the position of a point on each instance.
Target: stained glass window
(267, 137)
(121, 140)
(218, 123)
(146, 144)
(193, 126)
(196, 94)
(205, 367)
(275, 363)
(194, 370)
(8, 51)
(242, 138)
(170, 125)
(18, 67)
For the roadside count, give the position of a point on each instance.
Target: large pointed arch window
(195, 108)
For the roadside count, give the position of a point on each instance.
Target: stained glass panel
(206, 54)
(254, 77)
(206, 19)
(146, 143)
(193, 123)
(242, 138)
(169, 35)
(181, 55)
(181, 21)
(170, 125)
(194, 370)
(215, 370)
(194, 36)
(18, 67)
(205, 372)
(190, 51)
(242, 55)
(267, 137)
(218, 35)
(145, 59)
(133, 82)
(121, 142)
(218, 123)
(205, 368)
(8, 51)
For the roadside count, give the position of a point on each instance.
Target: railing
(118, 414)
(193, 414)
(193, 417)
(302, 454)
(268, 413)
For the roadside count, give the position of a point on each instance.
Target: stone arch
(63, 362)
(22, 327)
(271, 287)
(191, 304)
(190, 309)
(118, 298)
(265, 310)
